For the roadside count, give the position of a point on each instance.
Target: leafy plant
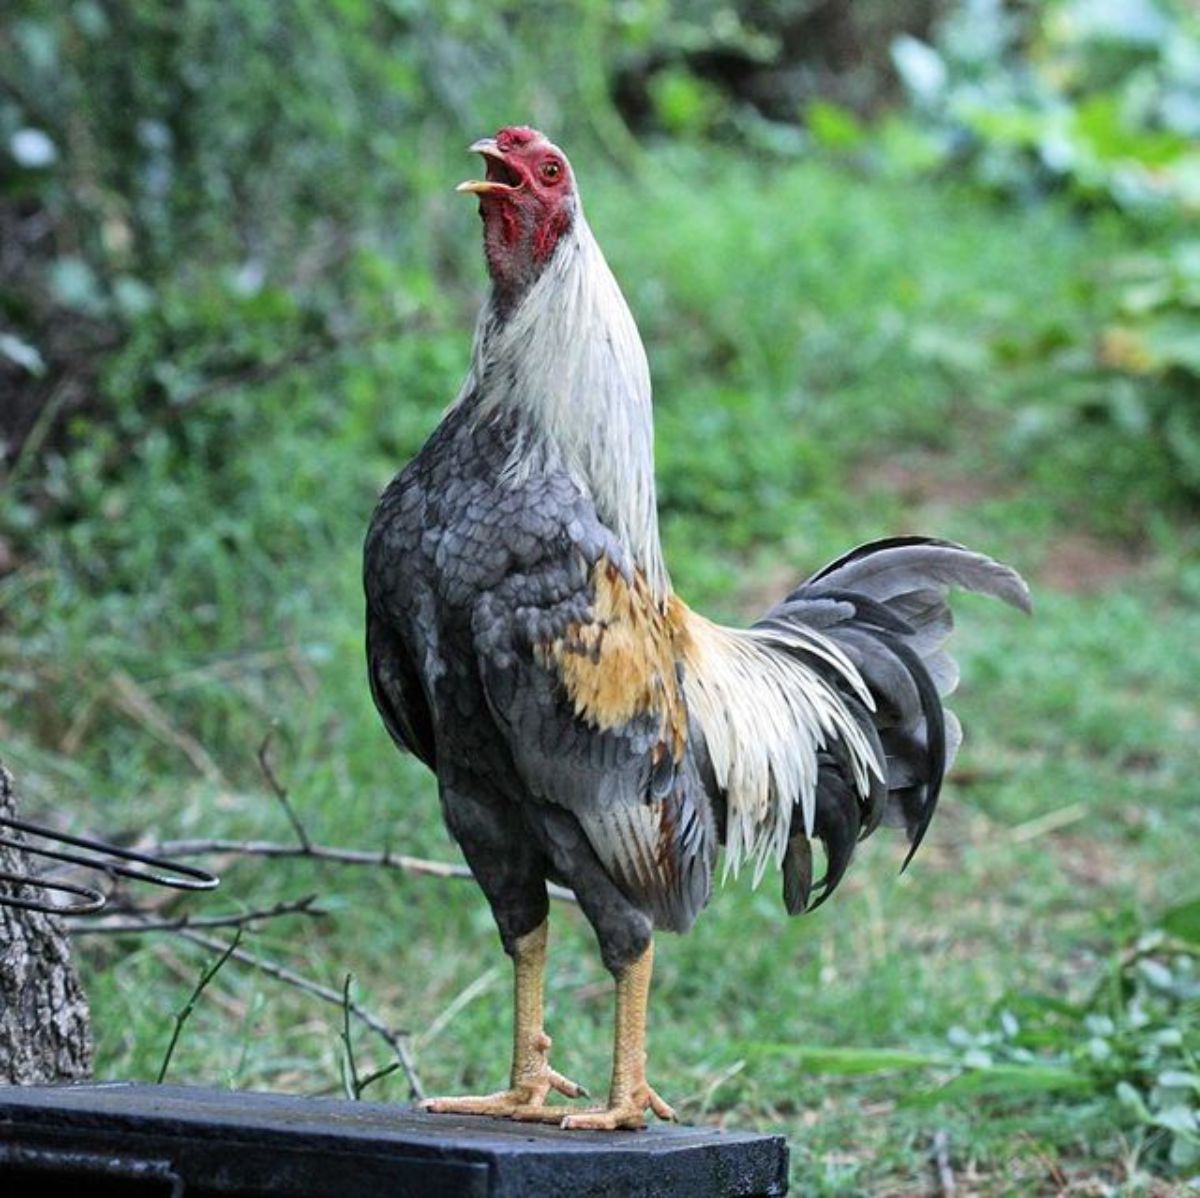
(1155, 336)
(1101, 97)
(1132, 1045)
(1127, 403)
(1128, 1054)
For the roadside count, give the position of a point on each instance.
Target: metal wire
(159, 871)
(93, 898)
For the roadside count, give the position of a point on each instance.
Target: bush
(1102, 99)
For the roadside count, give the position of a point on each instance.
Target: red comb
(515, 136)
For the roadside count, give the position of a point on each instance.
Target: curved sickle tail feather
(825, 718)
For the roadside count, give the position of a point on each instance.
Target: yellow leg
(631, 1095)
(532, 1079)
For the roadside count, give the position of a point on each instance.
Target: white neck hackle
(568, 362)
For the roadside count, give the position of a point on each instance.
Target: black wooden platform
(141, 1140)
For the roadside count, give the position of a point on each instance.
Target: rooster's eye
(551, 171)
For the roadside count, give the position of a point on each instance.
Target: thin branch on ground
(349, 1067)
(377, 1075)
(280, 791)
(464, 997)
(188, 1007)
(281, 973)
(141, 923)
(37, 435)
(941, 1161)
(1051, 821)
(351, 1082)
(322, 852)
(129, 697)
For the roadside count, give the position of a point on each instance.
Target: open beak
(500, 176)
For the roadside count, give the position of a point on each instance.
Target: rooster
(586, 727)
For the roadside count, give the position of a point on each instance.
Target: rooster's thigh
(505, 859)
(622, 928)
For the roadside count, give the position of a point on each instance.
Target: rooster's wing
(578, 665)
(396, 689)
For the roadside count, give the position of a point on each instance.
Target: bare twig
(280, 791)
(377, 1075)
(351, 1082)
(141, 923)
(464, 997)
(703, 1098)
(322, 852)
(188, 1007)
(941, 1160)
(1051, 821)
(349, 1068)
(393, 1038)
(138, 705)
(37, 434)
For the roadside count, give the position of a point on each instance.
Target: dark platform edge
(226, 1142)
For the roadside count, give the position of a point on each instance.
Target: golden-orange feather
(622, 662)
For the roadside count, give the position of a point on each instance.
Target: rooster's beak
(498, 174)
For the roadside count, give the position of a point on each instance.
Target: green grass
(834, 359)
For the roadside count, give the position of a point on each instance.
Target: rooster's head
(527, 201)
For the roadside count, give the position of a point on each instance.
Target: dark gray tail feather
(885, 605)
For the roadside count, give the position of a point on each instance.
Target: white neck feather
(569, 363)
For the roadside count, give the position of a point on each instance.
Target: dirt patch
(928, 479)
(1100, 867)
(1081, 564)
(1076, 562)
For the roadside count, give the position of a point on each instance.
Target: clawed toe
(628, 1114)
(541, 1112)
(473, 1104)
(504, 1105)
(526, 1101)
(565, 1086)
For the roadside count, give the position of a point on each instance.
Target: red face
(526, 200)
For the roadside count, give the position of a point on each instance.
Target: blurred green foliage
(1101, 97)
(219, 189)
(1101, 100)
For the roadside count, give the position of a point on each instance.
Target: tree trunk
(45, 1026)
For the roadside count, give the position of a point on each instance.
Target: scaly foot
(626, 1112)
(525, 1098)
(630, 1095)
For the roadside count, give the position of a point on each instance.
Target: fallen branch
(322, 852)
(141, 923)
